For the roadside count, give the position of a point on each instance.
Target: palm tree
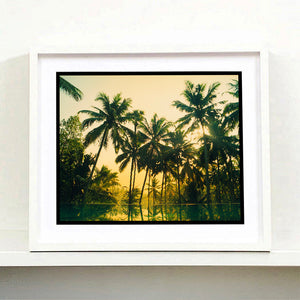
(136, 117)
(234, 88)
(101, 192)
(164, 166)
(222, 147)
(130, 151)
(199, 109)
(111, 118)
(155, 134)
(181, 151)
(231, 110)
(105, 178)
(70, 89)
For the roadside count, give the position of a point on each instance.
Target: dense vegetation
(190, 168)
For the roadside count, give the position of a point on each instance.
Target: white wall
(31, 23)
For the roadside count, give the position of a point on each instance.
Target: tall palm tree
(136, 117)
(164, 167)
(182, 152)
(70, 89)
(130, 152)
(130, 149)
(155, 134)
(199, 109)
(222, 147)
(110, 120)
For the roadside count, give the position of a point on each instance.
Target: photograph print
(149, 148)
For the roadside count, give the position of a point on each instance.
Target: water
(157, 213)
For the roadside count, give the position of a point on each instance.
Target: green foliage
(231, 113)
(231, 110)
(105, 178)
(234, 89)
(73, 163)
(74, 167)
(70, 89)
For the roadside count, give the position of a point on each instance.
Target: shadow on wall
(14, 134)
(149, 283)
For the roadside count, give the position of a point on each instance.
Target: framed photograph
(149, 151)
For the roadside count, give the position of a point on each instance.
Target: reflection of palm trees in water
(153, 190)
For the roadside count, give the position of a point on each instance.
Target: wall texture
(194, 23)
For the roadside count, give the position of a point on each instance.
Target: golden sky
(150, 93)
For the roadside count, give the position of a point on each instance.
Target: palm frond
(105, 101)
(234, 87)
(124, 164)
(121, 157)
(88, 122)
(70, 89)
(185, 120)
(94, 134)
(230, 107)
(182, 107)
(211, 92)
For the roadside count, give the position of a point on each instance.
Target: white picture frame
(64, 238)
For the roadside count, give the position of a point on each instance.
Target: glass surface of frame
(149, 148)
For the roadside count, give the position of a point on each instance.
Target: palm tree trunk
(142, 191)
(231, 187)
(133, 185)
(134, 166)
(94, 167)
(161, 196)
(98, 154)
(167, 216)
(219, 183)
(234, 177)
(179, 195)
(219, 187)
(134, 174)
(149, 197)
(130, 191)
(131, 177)
(206, 172)
(141, 211)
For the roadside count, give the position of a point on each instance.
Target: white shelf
(14, 252)
(25, 258)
